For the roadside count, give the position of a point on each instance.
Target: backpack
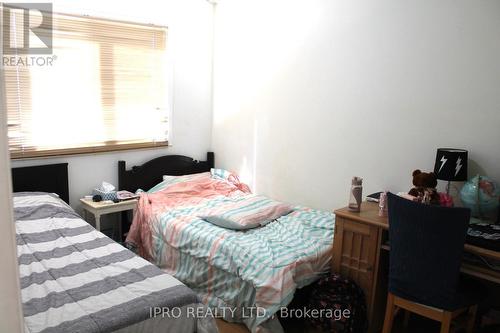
(344, 298)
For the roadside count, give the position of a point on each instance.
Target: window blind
(105, 89)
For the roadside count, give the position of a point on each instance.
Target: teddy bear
(425, 187)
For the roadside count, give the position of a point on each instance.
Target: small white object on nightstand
(106, 207)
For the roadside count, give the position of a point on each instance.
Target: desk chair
(426, 252)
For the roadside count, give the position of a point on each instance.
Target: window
(104, 90)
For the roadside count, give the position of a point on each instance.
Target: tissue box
(105, 195)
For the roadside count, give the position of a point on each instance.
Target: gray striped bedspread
(75, 279)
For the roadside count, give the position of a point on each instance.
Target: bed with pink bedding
(243, 275)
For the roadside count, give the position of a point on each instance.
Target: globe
(481, 195)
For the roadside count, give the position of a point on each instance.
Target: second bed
(244, 275)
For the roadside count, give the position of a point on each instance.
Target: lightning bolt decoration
(443, 162)
(458, 166)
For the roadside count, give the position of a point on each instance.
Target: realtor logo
(27, 28)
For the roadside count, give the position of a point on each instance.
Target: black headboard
(52, 178)
(150, 173)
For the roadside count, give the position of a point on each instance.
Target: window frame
(19, 155)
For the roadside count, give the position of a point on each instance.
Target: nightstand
(104, 207)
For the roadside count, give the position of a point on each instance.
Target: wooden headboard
(151, 173)
(52, 178)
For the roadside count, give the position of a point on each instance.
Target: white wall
(311, 93)
(190, 45)
(11, 317)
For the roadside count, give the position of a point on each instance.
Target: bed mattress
(75, 279)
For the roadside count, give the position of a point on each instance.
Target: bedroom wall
(309, 94)
(11, 317)
(190, 44)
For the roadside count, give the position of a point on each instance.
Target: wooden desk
(360, 253)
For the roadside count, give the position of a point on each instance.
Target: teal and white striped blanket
(253, 272)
